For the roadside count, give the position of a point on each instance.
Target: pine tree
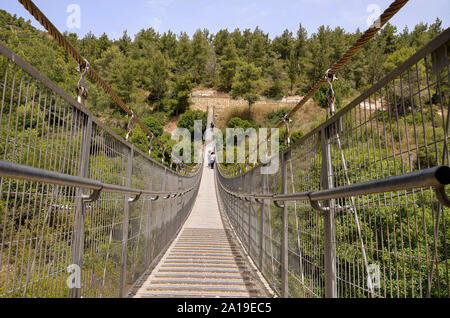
(258, 48)
(103, 43)
(283, 44)
(168, 44)
(321, 52)
(229, 64)
(211, 68)
(221, 41)
(124, 42)
(293, 68)
(184, 54)
(159, 75)
(199, 55)
(246, 84)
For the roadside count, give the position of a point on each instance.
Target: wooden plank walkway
(205, 260)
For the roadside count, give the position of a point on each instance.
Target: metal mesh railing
(46, 227)
(389, 244)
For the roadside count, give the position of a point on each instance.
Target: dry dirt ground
(227, 108)
(308, 117)
(171, 125)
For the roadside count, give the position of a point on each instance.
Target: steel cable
(63, 42)
(359, 44)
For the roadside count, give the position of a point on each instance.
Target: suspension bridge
(358, 207)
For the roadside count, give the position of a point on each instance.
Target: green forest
(154, 73)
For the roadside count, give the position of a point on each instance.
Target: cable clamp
(287, 121)
(130, 128)
(163, 155)
(316, 205)
(331, 98)
(81, 86)
(93, 197)
(135, 199)
(279, 205)
(150, 145)
(442, 196)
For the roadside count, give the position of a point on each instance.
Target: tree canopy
(156, 72)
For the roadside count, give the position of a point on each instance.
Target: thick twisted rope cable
(359, 44)
(63, 42)
(362, 41)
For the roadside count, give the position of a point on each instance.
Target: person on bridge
(213, 160)
(209, 158)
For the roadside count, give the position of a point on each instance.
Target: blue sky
(272, 16)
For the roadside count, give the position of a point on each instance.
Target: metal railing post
(285, 239)
(240, 203)
(148, 231)
(329, 231)
(179, 211)
(235, 213)
(178, 204)
(125, 226)
(262, 249)
(249, 182)
(243, 205)
(164, 207)
(78, 231)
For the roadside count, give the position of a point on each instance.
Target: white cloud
(264, 13)
(156, 23)
(247, 9)
(159, 4)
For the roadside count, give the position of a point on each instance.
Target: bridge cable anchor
(150, 145)
(442, 196)
(130, 128)
(331, 98)
(287, 121)
(93, 197)
(316, 205)
(82, 91)
(135, 199)
(279, 205)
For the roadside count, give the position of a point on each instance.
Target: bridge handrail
(438, 41)
(27, 173)
(65, 44)
(374, 165)
(384, 18)
(437, 177)
(33, 72)
(54, 150)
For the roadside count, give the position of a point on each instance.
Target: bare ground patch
(226, 108)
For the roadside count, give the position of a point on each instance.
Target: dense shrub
(237, 122)
(275, 117)
(155, 125)
(188, 119)
(275, 91)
